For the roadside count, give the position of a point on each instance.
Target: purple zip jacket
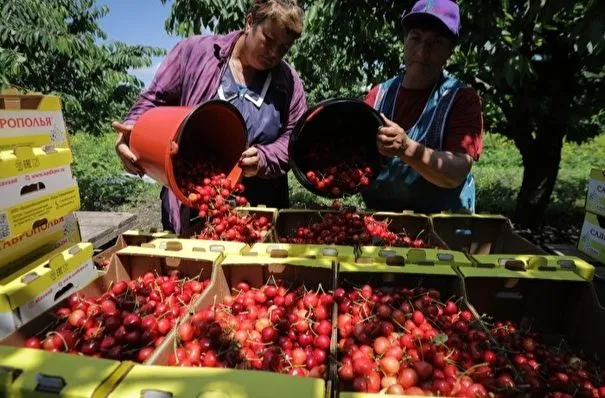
(191, 73)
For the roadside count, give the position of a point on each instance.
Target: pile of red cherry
(347, 227)
(273, 328)
(409, 341)
(127, 322)
(215, 198)
(339, 168)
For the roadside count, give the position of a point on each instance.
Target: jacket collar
(226, 44)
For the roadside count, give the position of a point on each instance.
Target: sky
(144, 25)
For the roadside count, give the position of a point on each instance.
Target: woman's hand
(129, 160)
(392, 139)
(250, 162)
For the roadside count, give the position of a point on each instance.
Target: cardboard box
(29, 372)
(130, 263)
(271, 214)
(128, 238)
(414, 225)
(33, 292)
(31, 120)
(563, 311)
(354, 275)
(592, 237)
(255, 270)
(480, 234)
(18, 250)
(595, 197)
(37, 186)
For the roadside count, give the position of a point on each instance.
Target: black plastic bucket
(330, 120)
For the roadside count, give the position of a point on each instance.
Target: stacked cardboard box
(40, 252)
(592, 236)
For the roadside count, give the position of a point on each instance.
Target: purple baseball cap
(446, 11)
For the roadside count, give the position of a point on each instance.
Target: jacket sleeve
(165, 88)
(274, 156)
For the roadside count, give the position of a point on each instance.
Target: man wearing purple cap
(434, 122)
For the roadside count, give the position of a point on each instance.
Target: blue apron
(264, 108)
(398, 186)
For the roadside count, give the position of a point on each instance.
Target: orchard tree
(54, 48)
(541, 63)
(537, 64)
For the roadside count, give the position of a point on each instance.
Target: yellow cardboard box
(62, 232)
(131, 237)
(595, 197)
(201, 382)
(31, 120)
(592, 237)
(33, 292)
(37, 185)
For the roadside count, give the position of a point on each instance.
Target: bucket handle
(235, 174)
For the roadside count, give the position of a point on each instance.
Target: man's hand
(250, 162)
(129, 160)
(392, 139)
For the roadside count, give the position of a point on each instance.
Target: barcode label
(27, 164)
(58, 272)
(4, 228)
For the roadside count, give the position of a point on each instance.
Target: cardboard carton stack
(592, 236)
(39, 232)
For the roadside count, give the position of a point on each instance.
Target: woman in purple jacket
(247, 69)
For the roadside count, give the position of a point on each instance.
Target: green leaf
(440, 339)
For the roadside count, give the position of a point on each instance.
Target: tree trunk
(542, 153)
(540, 169)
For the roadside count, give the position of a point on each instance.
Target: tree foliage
(57, 46)
(348, 46)
(537, 64)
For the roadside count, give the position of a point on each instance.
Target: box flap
(176, 382)
(463, 215)
(29, 285)
(198, 245)
(183, 252)
(522, 267)
(55, 373)
(243, 260)
(416, 269)
(303, 250)
(417, 256)
(151, 232)
(23, 160)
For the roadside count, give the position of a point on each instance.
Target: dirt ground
(147, 210)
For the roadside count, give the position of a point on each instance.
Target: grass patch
(104, 186)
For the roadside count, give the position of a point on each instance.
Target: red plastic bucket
(164, 133)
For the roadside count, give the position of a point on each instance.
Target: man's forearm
(442, 168)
